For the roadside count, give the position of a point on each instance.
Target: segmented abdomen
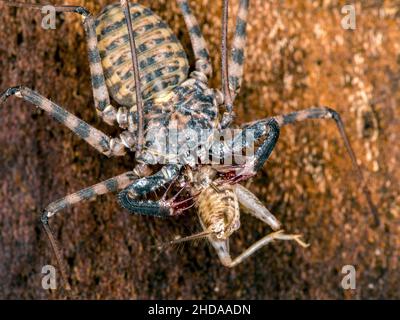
(217, 206)
(162, 60)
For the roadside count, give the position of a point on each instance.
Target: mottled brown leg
(327, 113)
(236, 60)
(111, 185)
(100, 92)
(101, 142)
(202, 56)
(234, 69)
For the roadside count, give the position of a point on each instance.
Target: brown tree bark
(298, 55)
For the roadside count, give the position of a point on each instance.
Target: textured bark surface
(298, 56)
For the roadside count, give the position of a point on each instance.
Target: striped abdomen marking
(162, 60)
(219, 210)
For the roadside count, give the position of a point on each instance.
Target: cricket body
(217, 205)
(136, 60)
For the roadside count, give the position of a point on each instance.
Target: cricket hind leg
(97, 139)
(253, 206)
(223, 251)
(222, 247)
(100, 91)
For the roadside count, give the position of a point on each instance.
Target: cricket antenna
(196, 236)
(138, 89)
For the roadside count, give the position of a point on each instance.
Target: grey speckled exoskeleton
(137, 61)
